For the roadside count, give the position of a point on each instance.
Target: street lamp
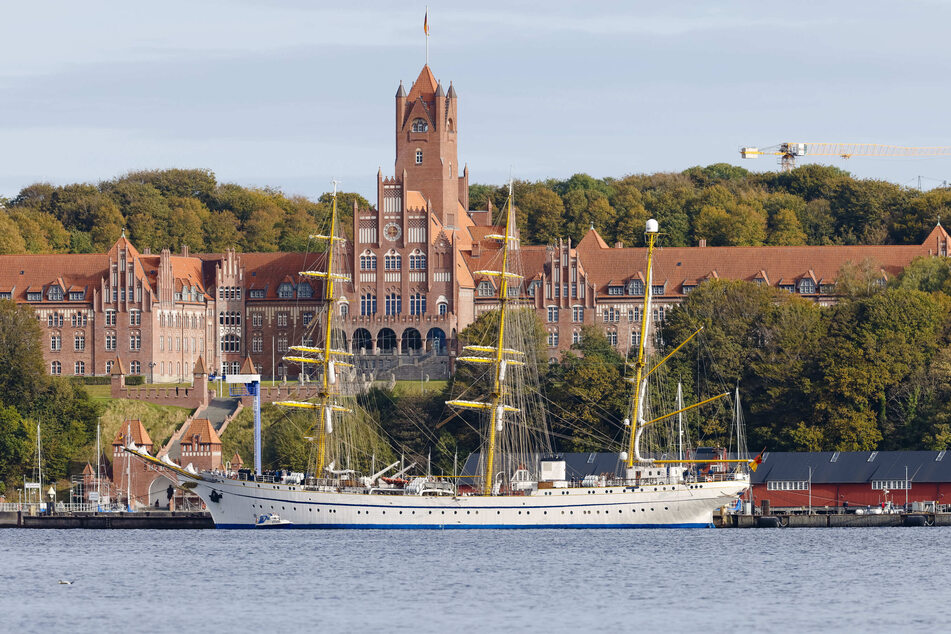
(152, 365)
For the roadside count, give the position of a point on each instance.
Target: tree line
(721, 203)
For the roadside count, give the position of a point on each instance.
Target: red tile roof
(424, 86)
(202, 428)
(784, 264)
(139, 435)
(20, 272)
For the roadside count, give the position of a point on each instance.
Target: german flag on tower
(426, 22)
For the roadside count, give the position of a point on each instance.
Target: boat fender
(915, 520)
(623, 455)
(498, 417)
(502, 366)
(328, 420)
(331, 373)
(770, 521)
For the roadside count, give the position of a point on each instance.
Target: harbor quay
(28, 518)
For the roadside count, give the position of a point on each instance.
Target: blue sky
(292, 93)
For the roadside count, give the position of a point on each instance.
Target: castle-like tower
(411, 291)
(426, 148)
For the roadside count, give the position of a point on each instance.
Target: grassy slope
(160, 421)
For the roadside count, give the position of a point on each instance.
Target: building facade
(415, 284)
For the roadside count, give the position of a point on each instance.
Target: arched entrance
(436, 340)
(362, 340)
(412, 341)
(158, 492)
(338, 340)
(386, 340)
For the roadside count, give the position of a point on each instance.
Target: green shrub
(135, 379)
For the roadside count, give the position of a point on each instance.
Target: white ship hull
(236, 504)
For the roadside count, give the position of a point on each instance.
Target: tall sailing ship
(520, 482)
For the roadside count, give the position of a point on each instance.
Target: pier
(138, 520)
(831, 520)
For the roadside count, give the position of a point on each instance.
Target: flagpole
(426, 30)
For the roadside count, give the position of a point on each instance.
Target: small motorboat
(271, 520)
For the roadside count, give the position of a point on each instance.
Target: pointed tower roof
(139, 435)
(439, 90)
(200, 366)
(452, 92)
(236, 461)
(202, 428)
(399, 93)
(88, 471)
(593, 239)
(117, 367)
(248, 367)
(424, 86)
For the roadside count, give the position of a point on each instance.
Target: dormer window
(658, 289)
(615, 290)
(420, 125)
(486, 289)
(687, 288)
(635, 287)
(419, 157)
(77, 296)
(34, 296)
(827, 289)
(256, 293)
(532, 287)
(807, 286)
(285, 290)
(304, 290)
(55, 293)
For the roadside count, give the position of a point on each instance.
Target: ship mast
(637, 421)
(325, 355)
(640, 387)
(499, 356)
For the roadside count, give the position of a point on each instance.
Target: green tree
(784, 228)
(541, 220)
(221, 231)
(16, 445)
(22, 369)
(107, 224)
(10, 239)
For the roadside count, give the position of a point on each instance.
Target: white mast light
(652, 226)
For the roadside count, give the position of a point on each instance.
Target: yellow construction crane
(788, 152)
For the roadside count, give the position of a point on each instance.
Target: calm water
(878, 579)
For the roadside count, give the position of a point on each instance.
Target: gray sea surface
(774, 580)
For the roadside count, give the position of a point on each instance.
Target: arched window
(392, 261)
(368, 261)
(394, 304)
(443, 308)
(344, 309)
(420, 125)
(368, 304)
(417, 261)
(419, 156)
(417, 304)
(452, 126)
